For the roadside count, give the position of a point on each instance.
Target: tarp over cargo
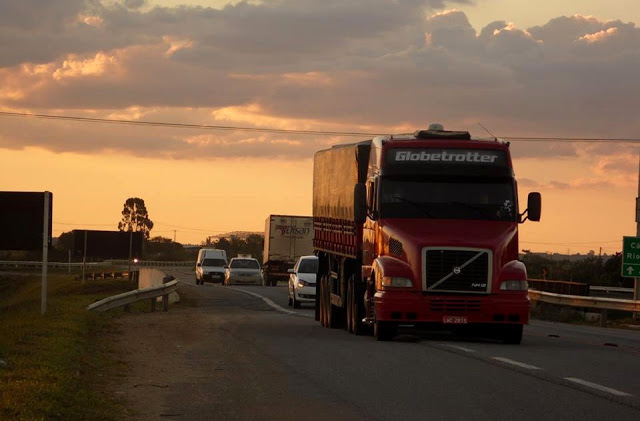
(336, 172)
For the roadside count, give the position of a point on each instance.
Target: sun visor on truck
(450, 161)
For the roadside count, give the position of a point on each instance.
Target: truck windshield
(457, 199)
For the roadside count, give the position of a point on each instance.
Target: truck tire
(316, 312)
(384, 331)
(354, 308)
(335, 315)
(321, 301)
(349, 306)
(512, 334)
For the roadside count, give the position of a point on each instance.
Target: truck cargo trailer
(286, 238)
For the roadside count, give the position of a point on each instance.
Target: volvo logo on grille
(457, 270)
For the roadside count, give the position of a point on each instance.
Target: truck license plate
(455, 320)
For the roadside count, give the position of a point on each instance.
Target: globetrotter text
(444, 156)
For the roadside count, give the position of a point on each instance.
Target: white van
(210, 266)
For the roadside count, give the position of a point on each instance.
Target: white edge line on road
(269, 302)
(597, 386)
(516, 363)
(459, 347)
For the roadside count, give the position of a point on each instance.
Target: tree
(135, 217)
(163, 248)
(235, 245)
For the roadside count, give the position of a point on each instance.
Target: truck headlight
(396, 281)
(302, 283)
(514, 285)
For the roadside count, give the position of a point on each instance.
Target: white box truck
(286, 238)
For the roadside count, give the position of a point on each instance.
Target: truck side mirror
(534, 207)
(360, 203)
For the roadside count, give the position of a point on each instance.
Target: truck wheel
(384, 331)
(512, 334)
(349, 306)
(335, 315)
(355, 304)
(316, 304)
(321, 302)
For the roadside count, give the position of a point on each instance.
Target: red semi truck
(420, 230)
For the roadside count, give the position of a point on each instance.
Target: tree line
(592, 269)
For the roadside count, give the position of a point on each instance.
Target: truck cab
(440, 238)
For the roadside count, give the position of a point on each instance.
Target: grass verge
(55, 366)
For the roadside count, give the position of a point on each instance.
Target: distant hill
(240, 234)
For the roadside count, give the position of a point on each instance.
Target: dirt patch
(150, 347)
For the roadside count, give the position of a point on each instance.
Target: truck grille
(453, 306)
(457, 270)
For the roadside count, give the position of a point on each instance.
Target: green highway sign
(630, 257)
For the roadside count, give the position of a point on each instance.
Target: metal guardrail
(559, 287)
(34, 264)
(581, 301)
(603, 304)
(152, 263)
(611, 289)
(127, 298)
(92, 276)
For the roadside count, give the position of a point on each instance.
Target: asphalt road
(260, 359)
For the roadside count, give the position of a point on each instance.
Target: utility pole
(174, 235)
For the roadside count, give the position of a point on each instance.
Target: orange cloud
(95, 21)
(256, 116)
(176, 44)
(599, 36)
(308, 78)
(73, 67)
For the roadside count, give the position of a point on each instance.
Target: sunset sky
(521, 68)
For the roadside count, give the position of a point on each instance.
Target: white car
(243, 271)
(210, 266)
(302, 281)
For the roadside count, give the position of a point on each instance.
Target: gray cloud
(367, 65)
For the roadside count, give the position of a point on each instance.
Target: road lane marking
(597, 386)
(270, 303)
(459, 347)
(516, 363)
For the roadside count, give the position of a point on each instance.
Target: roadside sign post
(26, 224)
(45, 252)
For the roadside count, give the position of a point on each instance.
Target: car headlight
(302, 283)
(396, 281)
(514, 285)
